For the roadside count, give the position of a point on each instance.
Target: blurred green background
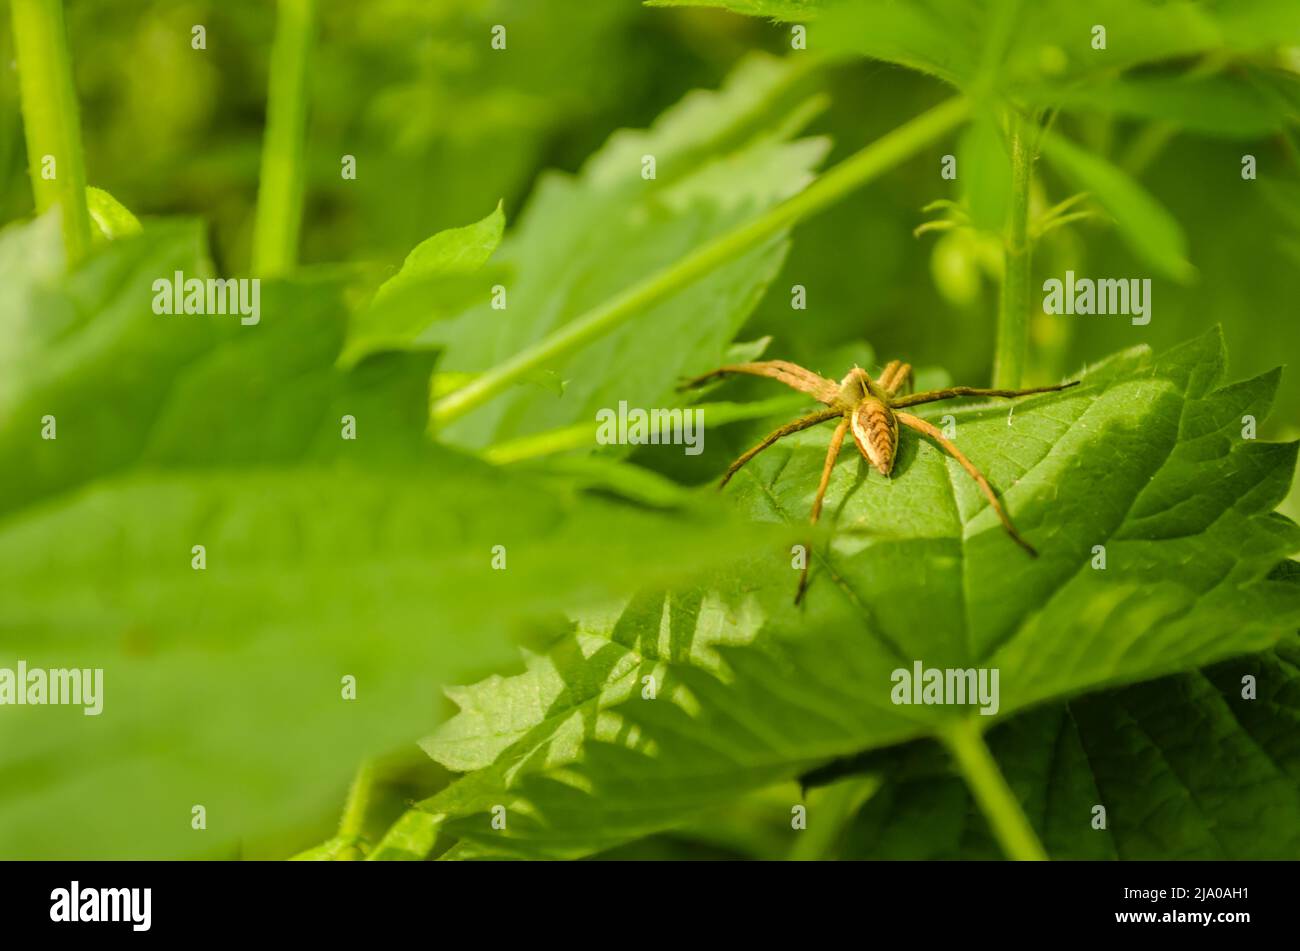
(442, 129)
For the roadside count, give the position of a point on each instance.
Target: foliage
(325, 557)
(1186, 767)
(753, 692)
(671, 700)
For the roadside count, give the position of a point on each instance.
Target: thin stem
(51, 119)
(852, 173)
(995, 798)
(944, 225)
(583, 435)
(354, 810)
(1051, 225)
(352, 825)
(1013, 311)
(280, 188)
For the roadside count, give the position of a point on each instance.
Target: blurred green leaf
(984, 172)
(435, 280)
(1145, 225)
(776, 9)
(223, 686)
(127, 386)
(1049, 48)
(1227, 106)
(454, 251)
(940, 38)
(325, 556)
(89, 345)
(1146, 459)
(111, 218)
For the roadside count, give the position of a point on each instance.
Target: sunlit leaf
(1145, 460)
(111, 218)
(719, 158)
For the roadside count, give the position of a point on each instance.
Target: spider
(871, 410)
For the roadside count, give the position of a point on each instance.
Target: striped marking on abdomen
(876, 432)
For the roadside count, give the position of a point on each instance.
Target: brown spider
(870, 408)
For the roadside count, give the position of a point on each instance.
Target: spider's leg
(900, 381)
(895, 376)
(930, 396)
(791, 374)
(887, 374)
(921, 426)
(832, 453)
(802, 423)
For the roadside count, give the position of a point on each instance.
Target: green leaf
(1044, 49)
(127, 386)
(435, 281)
(1145, 460)
(456, 250)
(312, 573)
(1185, 767)
(337, 849)
(1144, 224)
(775, 9)
(935, 37)
(325, 557)
(720, 158)
(90, 345)
(984, 171)
(1226, 106)
(110, 217)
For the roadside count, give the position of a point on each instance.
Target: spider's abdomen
(875, 430)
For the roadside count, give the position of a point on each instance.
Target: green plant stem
(353, 821)
(51, 119)
(352, 825)
(280, 188)
(852, 173)
(583, 435)
(995, 798)
(1014, 306)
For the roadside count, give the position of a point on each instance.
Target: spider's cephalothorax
(870, 409)
(873, 424)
